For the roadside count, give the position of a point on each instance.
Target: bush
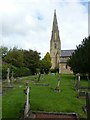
(17, 72)
(23, 71)
(4, 70)
(54, 70)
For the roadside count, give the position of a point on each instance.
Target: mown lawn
(43, 98)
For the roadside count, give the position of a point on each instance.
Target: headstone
(57, 89)
(88, 105)
(39, 75)
(27, 104)
(87, 76)
(12, 78)
(88, 81)
(58, 83)
(78, 82)
(8, 80)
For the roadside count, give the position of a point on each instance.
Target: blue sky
(27, 24)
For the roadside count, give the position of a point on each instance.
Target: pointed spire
(55, 24)
(54, 11)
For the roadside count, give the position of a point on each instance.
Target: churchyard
(43, 96)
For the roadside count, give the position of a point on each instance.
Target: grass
(12, 103)
(0, 107)
(43, 98)
(0, 100)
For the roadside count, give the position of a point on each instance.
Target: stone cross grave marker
(27, 104)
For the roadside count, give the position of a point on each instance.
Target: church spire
(55, 24)
(55, 44)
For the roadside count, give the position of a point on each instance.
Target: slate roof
(66, 53)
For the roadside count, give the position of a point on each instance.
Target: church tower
(55, 44)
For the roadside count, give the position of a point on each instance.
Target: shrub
(4, 70)
(22, 71)
(54, 70)
(17, 72)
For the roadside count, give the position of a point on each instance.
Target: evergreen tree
(79, 61)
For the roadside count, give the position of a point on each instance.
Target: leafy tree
(14, 57)
(46, 63)
(31, 60)
(22, 71)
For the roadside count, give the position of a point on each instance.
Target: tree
(46, 63)
(3, 51)
(14, 57)
(31, 60)
(79, 61)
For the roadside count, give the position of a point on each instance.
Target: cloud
(27, 24)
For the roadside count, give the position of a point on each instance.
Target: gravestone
(27, 103)
(78, 82)
(8, 80)
(39, 75)
(58, 83)
(57, 89)
(12, 78)
(88, 81)
(88, 105)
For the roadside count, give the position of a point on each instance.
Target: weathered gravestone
(88, 81)
(78, 82)
(39, 75)
(27, 103)
(12, 78)
(57, 89)
(8, 80)
(88, 105)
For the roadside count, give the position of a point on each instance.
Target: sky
(27, 24)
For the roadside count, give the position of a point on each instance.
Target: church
(58, 57)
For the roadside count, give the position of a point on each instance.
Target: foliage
(46, 63)
(3, 51)
(4, 70)
(31, 60)
(21, 62)
(80, 59)
(22, 71)
(14, 57)
(53, 70)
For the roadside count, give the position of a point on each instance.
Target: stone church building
(58, 57)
